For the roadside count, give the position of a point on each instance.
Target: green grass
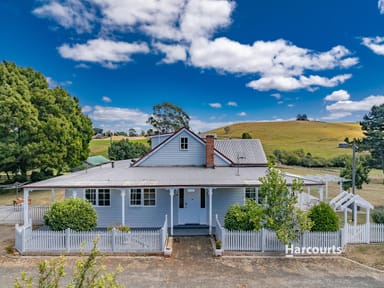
(319, 138)
(100, 146)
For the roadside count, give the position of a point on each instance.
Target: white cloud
(184, 30)
(344, 108)
(232, 104)
(276, 95)
(376, 44)
(352, 106)
(339, 95)
(290, 105)
(173, 53)
(86, 109)
(198, 125)
(69, 14)
(242, 114)
(202, 18)
(380, 4)
(106, 99)
(283, 83)
(103, 51)
(281, 64)
(116, 118)
(336, 115)
(215, 105)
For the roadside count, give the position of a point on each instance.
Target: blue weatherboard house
(186, 176)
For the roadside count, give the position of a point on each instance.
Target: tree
(97, 131)
(301, 117)
(279, 204)
(40, 128)
(168, 118)
(132, 132)
(361, 173)
(125, 149)
(246, 135)
(74, 213)
(373, 130)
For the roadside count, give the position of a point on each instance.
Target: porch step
(191, 230)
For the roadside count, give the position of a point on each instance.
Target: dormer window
(183, 143)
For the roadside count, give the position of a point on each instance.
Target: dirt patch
(370, 255)
(7, 238)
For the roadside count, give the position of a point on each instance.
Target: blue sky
(221, 61)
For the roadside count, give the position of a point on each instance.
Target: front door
(189, 206)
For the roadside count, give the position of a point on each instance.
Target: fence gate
(357, 234)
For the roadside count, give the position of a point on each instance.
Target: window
(135, 197)
(251, 193)
(143, 197)
(202, 198)
(98, 197)
(184, 143)
(149, 197)
(90, 195)
(104, 197)
(181, 198)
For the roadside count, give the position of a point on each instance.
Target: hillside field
(318, 138)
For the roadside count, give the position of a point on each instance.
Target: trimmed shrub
(323, 218)
(378, 215)
(244, 218)
(74, 213)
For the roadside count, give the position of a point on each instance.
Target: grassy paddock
(38, 197)
(318, 138)
(372, 192)
(100, 146)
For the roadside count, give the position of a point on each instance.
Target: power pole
(353, 167)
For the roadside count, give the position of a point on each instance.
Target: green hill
(319, 138)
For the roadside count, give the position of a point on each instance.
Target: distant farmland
(318, 138)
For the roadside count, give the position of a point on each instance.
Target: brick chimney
(209, 151)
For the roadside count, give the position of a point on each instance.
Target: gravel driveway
(192, 265)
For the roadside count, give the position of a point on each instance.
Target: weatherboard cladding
(134, 216)
(169, 153)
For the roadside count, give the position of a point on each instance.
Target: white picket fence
(137, 240)
(15, 214)
(267, 241)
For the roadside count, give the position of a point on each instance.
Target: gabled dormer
(183, 148)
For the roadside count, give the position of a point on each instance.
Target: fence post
(263, 239)
(113, 239)
(368, 232)
(223, 235)
(23, 239)
(67, 240)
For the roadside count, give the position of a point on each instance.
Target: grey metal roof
(123, 175)
(242, 151)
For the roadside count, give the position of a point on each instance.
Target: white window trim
(97, 197)
(182, 149)
(142, 198)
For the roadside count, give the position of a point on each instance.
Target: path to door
(192, 248)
